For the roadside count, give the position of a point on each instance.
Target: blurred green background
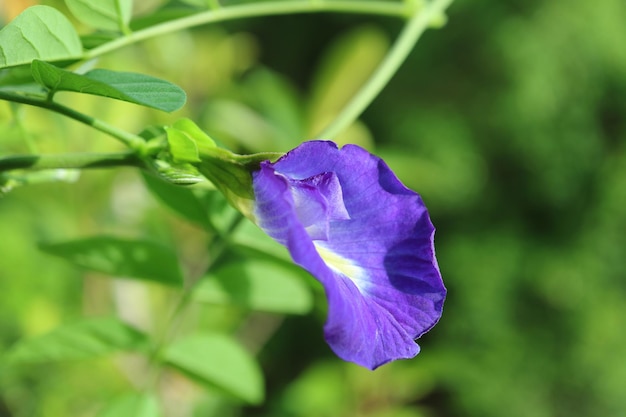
(510, 122)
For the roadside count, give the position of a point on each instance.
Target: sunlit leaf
(127, 86)
(257, 282)
(80, 340)
(132, 405)
(39, 32)
(182, 147)
(218, 361)
(136, 259)
(102, 14)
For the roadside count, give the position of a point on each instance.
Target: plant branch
(217, 247)
(258, 9)
(70, 161)
(133, 141)
(403, 46)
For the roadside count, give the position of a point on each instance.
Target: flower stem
(383, 74)
(133, 141)
(258, 9)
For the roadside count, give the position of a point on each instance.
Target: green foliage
(281, 288)
(122, 258)
(219, 361)
(135, 88)
(103, 14)
(181, 200)
(40, 32)
(509, 122)
(85, 339)
(132, 405)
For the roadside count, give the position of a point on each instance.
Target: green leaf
(102, 14)
(218, 361)
(127, 86)
(203, 142)
(136, 259)
(257, 282)
(182, 146)
(132, 405)
(181, 199)
(39, 32)
(81, 340)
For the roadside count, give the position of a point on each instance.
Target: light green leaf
(257, 282)
(203, 142)
(102, 14)
(136, 259)
(127, 86)
(81, 340)
(182, 146)
(218, 361)
(132, 405)
(39, 32)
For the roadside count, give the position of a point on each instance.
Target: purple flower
(348, 220)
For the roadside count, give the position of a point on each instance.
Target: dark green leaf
(102, 14)
(17, 76)
(95, 39)
(39, 32)
(219, 361)
(132, 405)
(257, 282)
(137, 259)
(81, 340)
(127, 86)
(179, 198)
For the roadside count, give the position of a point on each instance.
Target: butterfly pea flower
(346, 218)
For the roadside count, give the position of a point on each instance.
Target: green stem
(133, 141)
(260, 9)
(383, 74)
(70, 161)
(216, 250)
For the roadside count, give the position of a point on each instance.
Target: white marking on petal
(347, 267)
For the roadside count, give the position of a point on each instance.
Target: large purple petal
(347, 219)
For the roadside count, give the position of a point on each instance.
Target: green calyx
(230, 173)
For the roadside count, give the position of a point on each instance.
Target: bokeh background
(510, 122)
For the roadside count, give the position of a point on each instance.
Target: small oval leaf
(136, 259)
(127, 86)
(219, 361)
(80, 340)
(102, 14)
(39, 32)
